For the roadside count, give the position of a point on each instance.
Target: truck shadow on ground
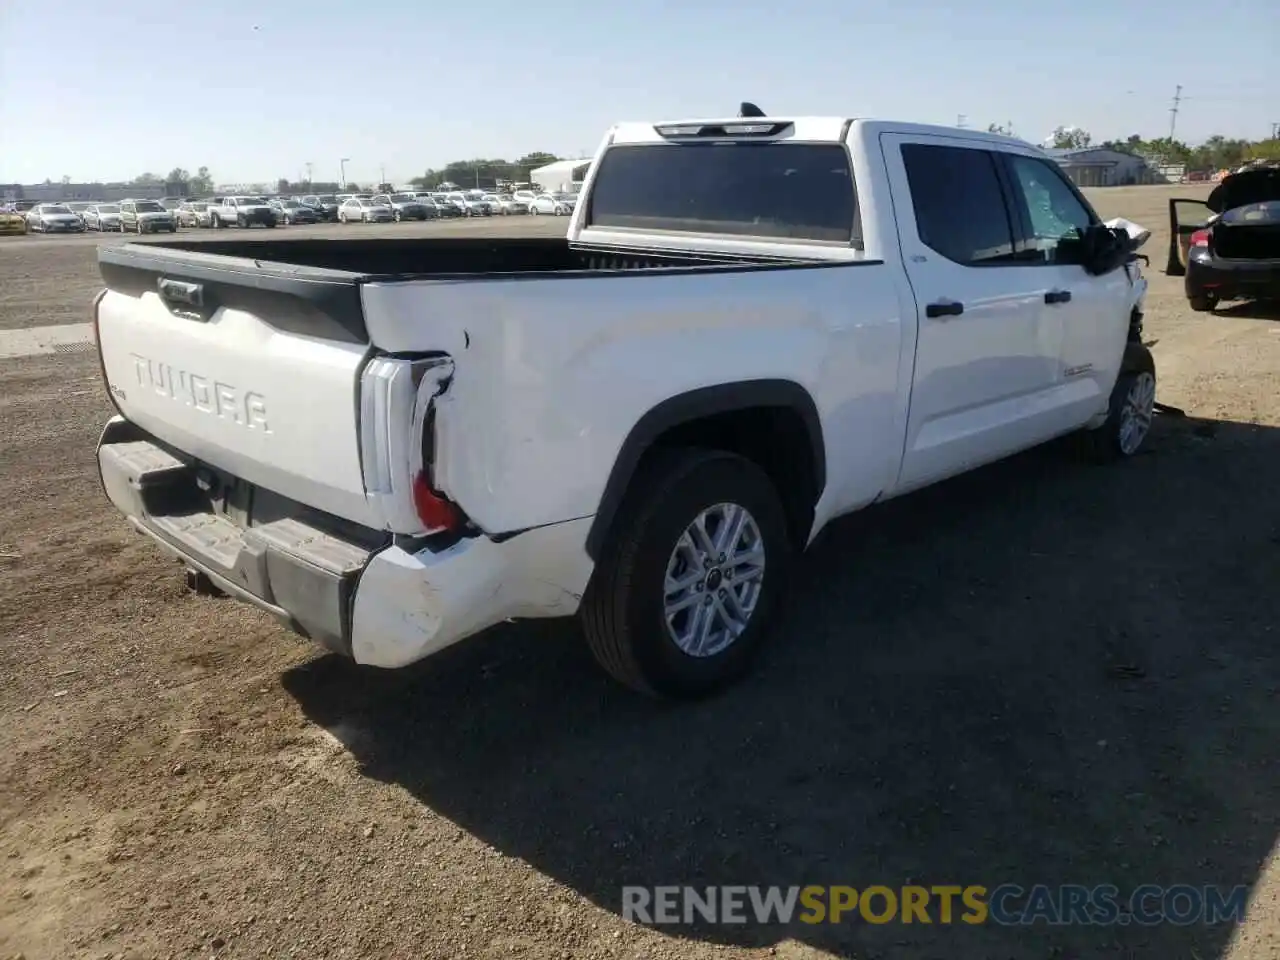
(1042, 672)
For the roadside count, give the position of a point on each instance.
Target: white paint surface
(44, 340)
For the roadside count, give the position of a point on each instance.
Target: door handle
(1058, 296)
(944, 308)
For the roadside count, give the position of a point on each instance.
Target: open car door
(1185, 218)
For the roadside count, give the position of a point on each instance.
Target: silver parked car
(54, 218)
(102, 216)
(364, 210)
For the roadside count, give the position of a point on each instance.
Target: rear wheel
(696, 564)
(1202, 303)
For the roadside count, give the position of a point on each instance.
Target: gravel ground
(1039, 673)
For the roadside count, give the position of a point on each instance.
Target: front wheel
(1130, 410)
(697, 561)
(533, 211)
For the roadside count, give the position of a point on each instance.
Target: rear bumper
(351, 590)
(1233, 279)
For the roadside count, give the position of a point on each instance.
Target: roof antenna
(749, 110)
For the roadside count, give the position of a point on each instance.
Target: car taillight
(1200, 238)
(435, 512)
(397, 441)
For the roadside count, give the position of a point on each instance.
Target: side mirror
(1104, 249)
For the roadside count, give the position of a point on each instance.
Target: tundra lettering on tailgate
(245, 408)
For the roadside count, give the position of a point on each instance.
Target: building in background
(65, 192)
(1099, 167)
(563, 176)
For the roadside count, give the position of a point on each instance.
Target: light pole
(342, 172)
(308, 174)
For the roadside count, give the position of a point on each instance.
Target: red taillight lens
(1200, 238)
(435, 512)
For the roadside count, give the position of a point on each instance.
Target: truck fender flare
(696, 405)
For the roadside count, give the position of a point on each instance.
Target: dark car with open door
(1228, 246)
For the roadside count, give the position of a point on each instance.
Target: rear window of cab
(788, 190)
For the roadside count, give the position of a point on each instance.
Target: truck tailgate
(251, 372)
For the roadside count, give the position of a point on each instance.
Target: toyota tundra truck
(752, 327)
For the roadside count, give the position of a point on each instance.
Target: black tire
(139, 227)
(215, 222)
(1202, 303)
(269, 224)
(622, 612)
(1105, 444)
(1173, 266)
(241, 222)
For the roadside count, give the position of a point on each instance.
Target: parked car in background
(506, 206)
(146, 216)
(53, 218)
(325, 205)
(102, 216)
(11, 221)
(1228, 246)
(242, 212)
(546, 203)
(291, 211)
(193, 213)
(364, 210)
(404, 206)
(470, 206)
(525, 196)
(78, 207)
(445, 207)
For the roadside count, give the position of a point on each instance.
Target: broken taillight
(1200, 238)
(435, 512)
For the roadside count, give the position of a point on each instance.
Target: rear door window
(959, 205)
(795, 191)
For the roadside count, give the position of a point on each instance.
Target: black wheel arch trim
(696, 405)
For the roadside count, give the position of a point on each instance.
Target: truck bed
(423, 257)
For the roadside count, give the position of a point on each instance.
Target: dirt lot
(1040, 673)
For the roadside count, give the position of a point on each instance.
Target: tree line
(1216, 153)
(461, 172)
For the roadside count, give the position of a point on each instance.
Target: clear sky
(254, 89)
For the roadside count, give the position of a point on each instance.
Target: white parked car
(505, 206)
(547, 203)
(411, 462)
(364, 210)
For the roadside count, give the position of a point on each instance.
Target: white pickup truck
(752, 327)
(241, 212)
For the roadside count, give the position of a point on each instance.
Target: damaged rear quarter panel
(551, 373)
